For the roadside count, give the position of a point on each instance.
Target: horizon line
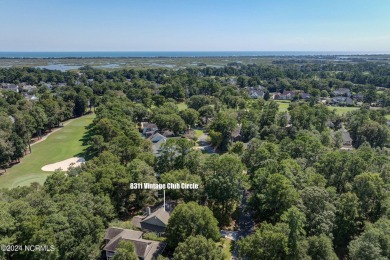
(349, 51)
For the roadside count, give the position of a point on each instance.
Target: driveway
(246, 225)
(204, 144)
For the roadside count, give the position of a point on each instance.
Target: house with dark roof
(156, 137)
(149, 129)
(286, 95)
(289, 94)
(340, 100)
(144, 249)
(157, 140)
(304, 95)
(155, 220)
(342, 92)
(167, 133)
(358, 97)
(10, 87)
(236, 134)
(29, 88)
(47, 85)
(347, 140)
(256, 92)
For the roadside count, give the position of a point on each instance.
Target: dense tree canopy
(308, 196)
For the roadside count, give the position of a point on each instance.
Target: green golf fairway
(60, 145)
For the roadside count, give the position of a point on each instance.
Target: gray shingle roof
(145, 249)
(160, 214)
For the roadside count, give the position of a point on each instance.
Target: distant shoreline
(190, 54)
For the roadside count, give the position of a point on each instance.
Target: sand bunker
(63, 165)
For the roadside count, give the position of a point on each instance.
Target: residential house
(358, 97)
(232, 81)
(286, 95)
(347, 140)
(157, 140)
(10, 87)
(31, 97)
(304, 95)
(144, 249)
(290, 94)
(156, 137)
(167, 133)
(47, 85)
(256, 92)
(340, 100)
(236, 134)
(28, 88)
(155, 220)
(149, 129)
(279, 96)
(342, 92)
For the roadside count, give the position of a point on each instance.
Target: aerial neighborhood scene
(191, 130)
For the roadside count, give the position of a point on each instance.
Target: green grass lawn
(61, 145)
(198, 132)
(226, 245)
(182, 106)
(283, 105)
(343, 110)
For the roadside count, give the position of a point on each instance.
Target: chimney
(148, 211)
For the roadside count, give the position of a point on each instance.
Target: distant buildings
(286, 95)
(10, 87)
(358, 97)
(28, 88)
(256, 92)
(342, 92)
(304, 95)
(341, 100)
(47, 85)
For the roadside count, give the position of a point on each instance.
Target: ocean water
(152, 54)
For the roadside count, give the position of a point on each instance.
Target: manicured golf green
(283, 105)
(343, 110)
(60, 145)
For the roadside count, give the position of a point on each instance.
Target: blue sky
(195, 25)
